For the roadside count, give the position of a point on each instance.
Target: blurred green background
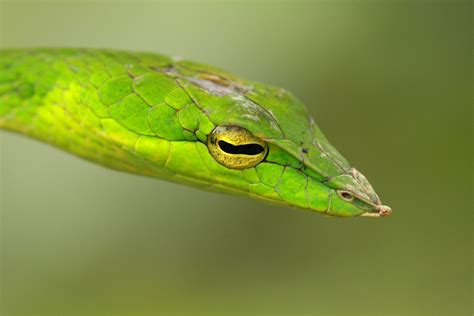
(390, 84)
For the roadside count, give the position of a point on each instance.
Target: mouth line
(383, 210)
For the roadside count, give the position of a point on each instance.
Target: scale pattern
(149, 114)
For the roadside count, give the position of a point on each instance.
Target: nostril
(346, 195)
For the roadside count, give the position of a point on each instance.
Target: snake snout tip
(383, 210)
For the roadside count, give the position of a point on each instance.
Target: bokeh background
(390, 84)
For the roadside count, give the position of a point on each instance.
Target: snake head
(289, 159)
(184, 122)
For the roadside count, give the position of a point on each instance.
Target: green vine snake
(181, 121)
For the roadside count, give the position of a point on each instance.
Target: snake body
(182, 121)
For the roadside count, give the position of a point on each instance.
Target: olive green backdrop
(390, 84)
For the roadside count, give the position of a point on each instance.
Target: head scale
(293, 160)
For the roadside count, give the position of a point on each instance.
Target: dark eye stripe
(248, 149)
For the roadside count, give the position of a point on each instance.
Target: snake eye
(235, 147)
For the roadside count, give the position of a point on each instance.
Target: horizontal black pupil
(248, 149)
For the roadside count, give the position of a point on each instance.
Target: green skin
(151, 115)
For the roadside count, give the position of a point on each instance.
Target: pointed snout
(382, 210)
